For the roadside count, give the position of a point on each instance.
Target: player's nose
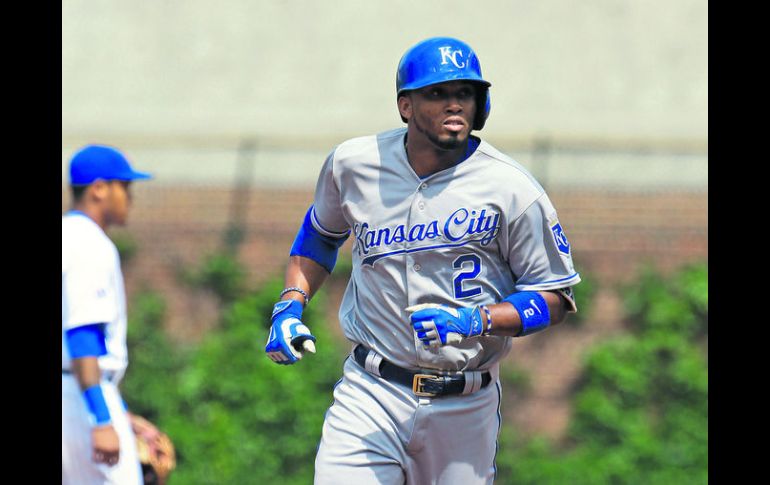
(453, 105)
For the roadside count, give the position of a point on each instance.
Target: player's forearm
(506, 321)
(86, 371)
(302, 272)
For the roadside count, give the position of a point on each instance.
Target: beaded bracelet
(298, 290)
(489, 320)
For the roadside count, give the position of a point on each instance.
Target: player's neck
(93, 213)
(427, 159)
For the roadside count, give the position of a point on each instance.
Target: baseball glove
(158, 458)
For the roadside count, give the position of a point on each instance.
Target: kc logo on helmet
(448, 54)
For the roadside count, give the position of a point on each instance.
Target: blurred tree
(149, 386)
(641, 410)
(125, 244)
(233, 414)
(585, 294)
(243, 419)
(219, 273)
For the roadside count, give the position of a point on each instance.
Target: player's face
(118, 201)
(444, 113)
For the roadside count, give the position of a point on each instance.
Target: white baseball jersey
(467, 235)
(92, 289)
(93, 292)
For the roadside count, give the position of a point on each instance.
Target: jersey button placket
(419, 198)
(420, 203)
(413, 268)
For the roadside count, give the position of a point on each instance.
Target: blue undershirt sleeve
(86, 341)
(312, 244)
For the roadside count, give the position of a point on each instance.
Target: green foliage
(670, 305)
(125, 244)
(640, 414)
(585, 293)
(693, 282)
(233, 414)
(244, 419)
(344, 266)
(221, 273)
(515, 378)
(149, 384)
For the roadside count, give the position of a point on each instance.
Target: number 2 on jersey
(471, 266)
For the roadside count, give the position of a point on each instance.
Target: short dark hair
(78, 191)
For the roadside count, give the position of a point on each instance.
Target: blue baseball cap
(94, 162)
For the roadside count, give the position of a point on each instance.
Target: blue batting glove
(438, 325)
(288, 335)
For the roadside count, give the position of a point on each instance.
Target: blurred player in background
(98, 432)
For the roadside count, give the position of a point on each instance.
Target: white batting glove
(288, 335)
(437, 325)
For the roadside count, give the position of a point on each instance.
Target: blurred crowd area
(622, 207)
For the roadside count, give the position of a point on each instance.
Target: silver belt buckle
(417, 384)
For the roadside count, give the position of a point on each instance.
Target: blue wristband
(97, 406)
(533, 311)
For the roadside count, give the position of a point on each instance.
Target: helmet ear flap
(483, 104)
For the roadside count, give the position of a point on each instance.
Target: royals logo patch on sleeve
(561, 239)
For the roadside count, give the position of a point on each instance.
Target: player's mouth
(454, 124)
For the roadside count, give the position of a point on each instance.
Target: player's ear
(405, 106)
(99, 189)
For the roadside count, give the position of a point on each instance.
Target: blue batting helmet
(441, 59)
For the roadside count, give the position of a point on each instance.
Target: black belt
(428, 385)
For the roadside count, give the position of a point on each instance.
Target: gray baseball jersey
(467, 235)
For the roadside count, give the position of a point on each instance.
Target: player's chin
(453, 139)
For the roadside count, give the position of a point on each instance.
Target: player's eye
(465, 93)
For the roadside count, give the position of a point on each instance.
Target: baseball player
(456, 249)
(98, 440)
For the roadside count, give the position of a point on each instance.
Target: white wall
(302, 70)
(618, 67)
